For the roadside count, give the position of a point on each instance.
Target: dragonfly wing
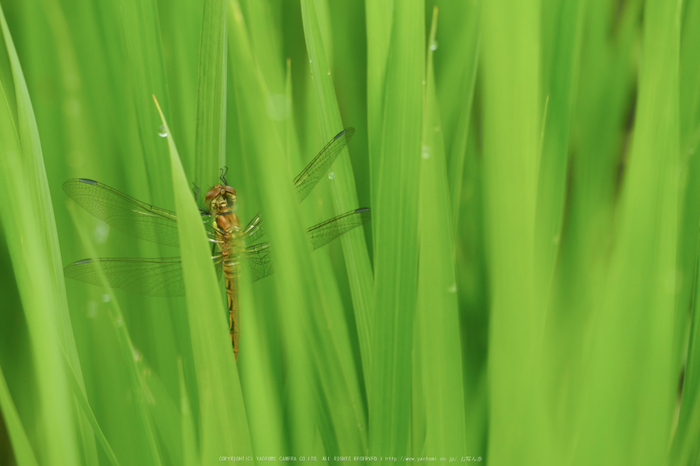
(258, 258)
(219, 266)
(314, 171)
(123, 212)
(258, 261)
(150, 277)
(327, 231)
(253, 231)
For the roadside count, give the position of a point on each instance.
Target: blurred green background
(526, 292)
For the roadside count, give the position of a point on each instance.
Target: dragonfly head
(221, 198)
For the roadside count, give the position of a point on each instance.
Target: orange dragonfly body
(233, 247)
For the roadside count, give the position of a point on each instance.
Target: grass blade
(147, 447)
(224, 427)
(344, 191)
(141, 37)
(395, 227)
(561, 99)
(641, 279)
(32, 239)
(210, 137)
(18, 437)
(438, 422)
(511, 106)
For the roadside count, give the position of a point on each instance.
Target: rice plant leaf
(632, 367)
(298, 302)
(379, 17)
(141, 36)
(561, 100)
(30, 229)
(459, 79)
(224, 427)
(438, 410)
(395, 167)
(258, 362)
(148, 449)
(21, 446)
(511, 141)
(266, 43)
(685, 447)
(344, 190)
(689, 208)
(210, 137)
(187, 429)
(272, 186)
(82, 401)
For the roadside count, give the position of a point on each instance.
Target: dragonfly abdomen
(231, 279)
(230, 243)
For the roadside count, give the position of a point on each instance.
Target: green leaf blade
(224, 428)
(395, 228)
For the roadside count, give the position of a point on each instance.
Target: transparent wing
(219, 267)
(150, 277)
(258, 258)
(253, 231)
(327, 231)
(319, 166)
(125, 213)
(258, 261)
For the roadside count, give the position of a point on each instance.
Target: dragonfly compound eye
(212, 193)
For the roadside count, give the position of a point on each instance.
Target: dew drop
(162, 132)
(452, 288)
(425, 152)
(329, 73)
(106, 298)
(331, 175)
(433, 46)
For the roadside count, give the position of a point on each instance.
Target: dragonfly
(235, 249)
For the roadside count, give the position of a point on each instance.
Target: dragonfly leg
(195, 191)
(224, 171)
